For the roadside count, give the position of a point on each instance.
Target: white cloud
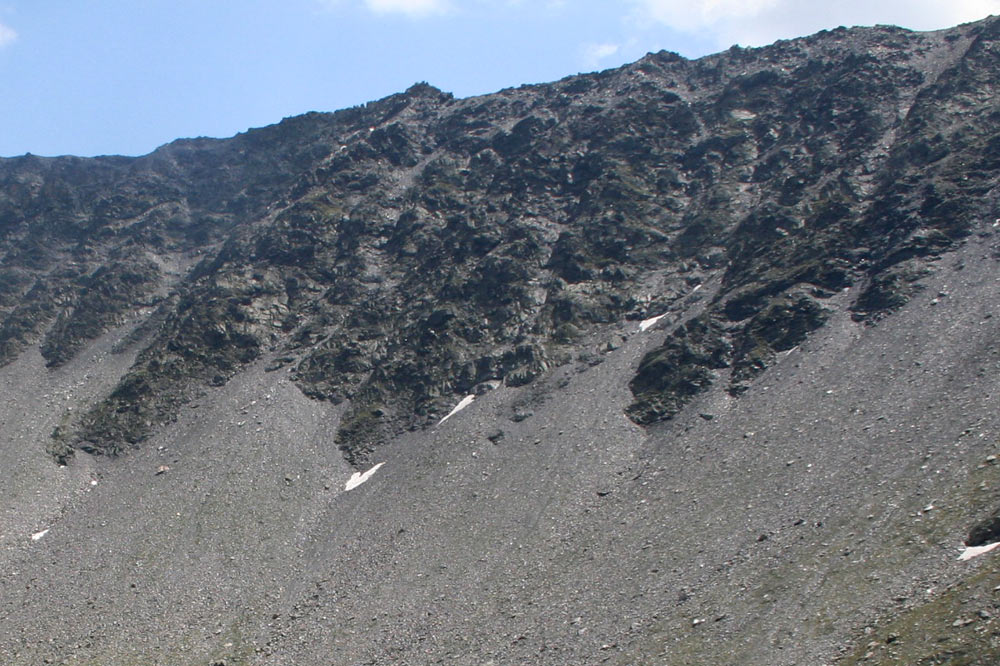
(759, 22)
(689, 16)
(593, 54)
(413, 8)
(421, 8)
(7, 35)
(409, 7)
(542, 4)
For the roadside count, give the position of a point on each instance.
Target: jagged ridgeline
(421, 247)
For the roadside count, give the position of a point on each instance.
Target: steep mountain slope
(729, 324)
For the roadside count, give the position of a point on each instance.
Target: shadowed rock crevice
(984, 532)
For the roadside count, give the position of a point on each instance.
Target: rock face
(390, 259)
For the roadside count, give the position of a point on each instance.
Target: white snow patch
(646, 323)
(358, 478)
(975, 551)
(466, 401)
(38, 535)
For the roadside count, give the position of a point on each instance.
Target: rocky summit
(686, 362)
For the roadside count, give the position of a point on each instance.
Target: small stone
(520, 415)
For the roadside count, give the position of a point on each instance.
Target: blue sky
(89, 77)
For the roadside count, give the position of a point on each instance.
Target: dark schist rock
(398, 254)
(679, 369)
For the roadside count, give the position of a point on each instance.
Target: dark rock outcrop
(397, 254)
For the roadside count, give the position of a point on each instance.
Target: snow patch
(358, 478)
(646, 323)
(975, 551)
(38, 535)
(466, 401)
